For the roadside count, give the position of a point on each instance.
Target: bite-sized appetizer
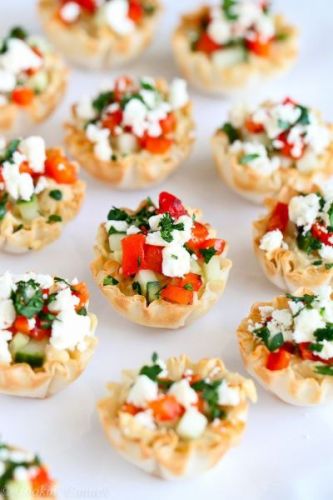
(234, 45)
(159, 265)
(260, 150)
(33, 80)
(176, 419)
(39, 192)
(134, 133)
(294, 240)
(23, 476)
(287, 345)
(100, 34)
(46, 334)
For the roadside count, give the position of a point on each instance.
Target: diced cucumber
(32, 353)
(19, 342)
(39, 81)
(115, 241)
(29, 210)
(19, 490)
(225, 58)
(143, 277)
(195, 267)
(153, 291)
(212, 270)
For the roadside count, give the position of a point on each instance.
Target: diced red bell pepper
(278, 360)
(261, 49)
(39, 333)
(156, 145)
(170, 203)
(121, 86)
(135, 11)
(168, 124)
(216, 243)
(129, 408)
(133, 253)
(59, 168)
(42, 484)
(166, 408)
(23, 96)
(288, 149)
(289, 100)
(199, 231)
(177, 295)
(21, 325)
(305, 352)
(254, 127)
(206, 44)
(113, 120)
(191, 280)
(320, 233)
(153, 258)
(279, 217)
(25, 168)
(81, 291)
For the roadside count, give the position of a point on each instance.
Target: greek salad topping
(162, 251)
(311, 216)
(121, 16)
(132, 115)
(300, 326)
(277, 135)
(39, 313)
(27, 169)
(23, 71)
(234, 29)
(188, 405)
(22, 475)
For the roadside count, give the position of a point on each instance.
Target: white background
(286, 452)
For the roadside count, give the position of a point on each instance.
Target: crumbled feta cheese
(64, 301)
(42, 184)
(6, 284)
(145, 419)
(271, 241)
(327, 350)
(134, 116)
(21, 473)
(7, 81)
(260, 161)
(69, 329)
(303, 210)
(34, 149)
(133, 230)
(70, 12)
(103, 150)
(142, 391)
(19, 186)
(326, 253)
(5, 337)
(84, 109)
(281, 322)
(265, 312)
(305, 323)
(19, 57)
(120, 226)
(178, 93)
(219, 31)
(176, 261)
(7, 314)
(192, 424)
(184, 393)
(227, 395)
(127, 143)
(116, 16)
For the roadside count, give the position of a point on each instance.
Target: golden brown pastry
(261, 149)
(176, 419)
(160, 266)
(39, 193)
(100, 34)
(233, 46)
(33, 80)
(287, 346)
(46, 334)
(134, 133)
(294, 240)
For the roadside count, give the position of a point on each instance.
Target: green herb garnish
(207, 253)
(54, 218)
(232, 133)
(167, 225)
(110, 280)
(27, 298)
(245, 159)
(56, 194)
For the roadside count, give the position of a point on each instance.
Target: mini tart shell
(199, 69)
(255, 187)
(39, 232)
(137, 170)
(17, 120)
(159, 313)
(284, 267)
(92, 47)
(298, 384)
(162, 452)
(60, 370)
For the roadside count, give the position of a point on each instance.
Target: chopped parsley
(3, 205)
(307, 242)
(228, 7)
(10, 150)
(18, 32)
(152, 371)
(324, 333)
(245, 159)
(207, 253)
(102, 100)
(272, 343)
(189, 286)
(137, 287)
(54, 218)
(232, 133)
(167, 225)
(324, 370)
(56, 194)
(118, 214)
(306, 299)
(27, 298)
(82, 311)
(209, 391)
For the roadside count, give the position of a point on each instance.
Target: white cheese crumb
(271, 241)
(176, 261)
(142, 391)
(178, 93)
(303, 210)
(227, 395)
(70, 12)
(184, 393)
(192, 424)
